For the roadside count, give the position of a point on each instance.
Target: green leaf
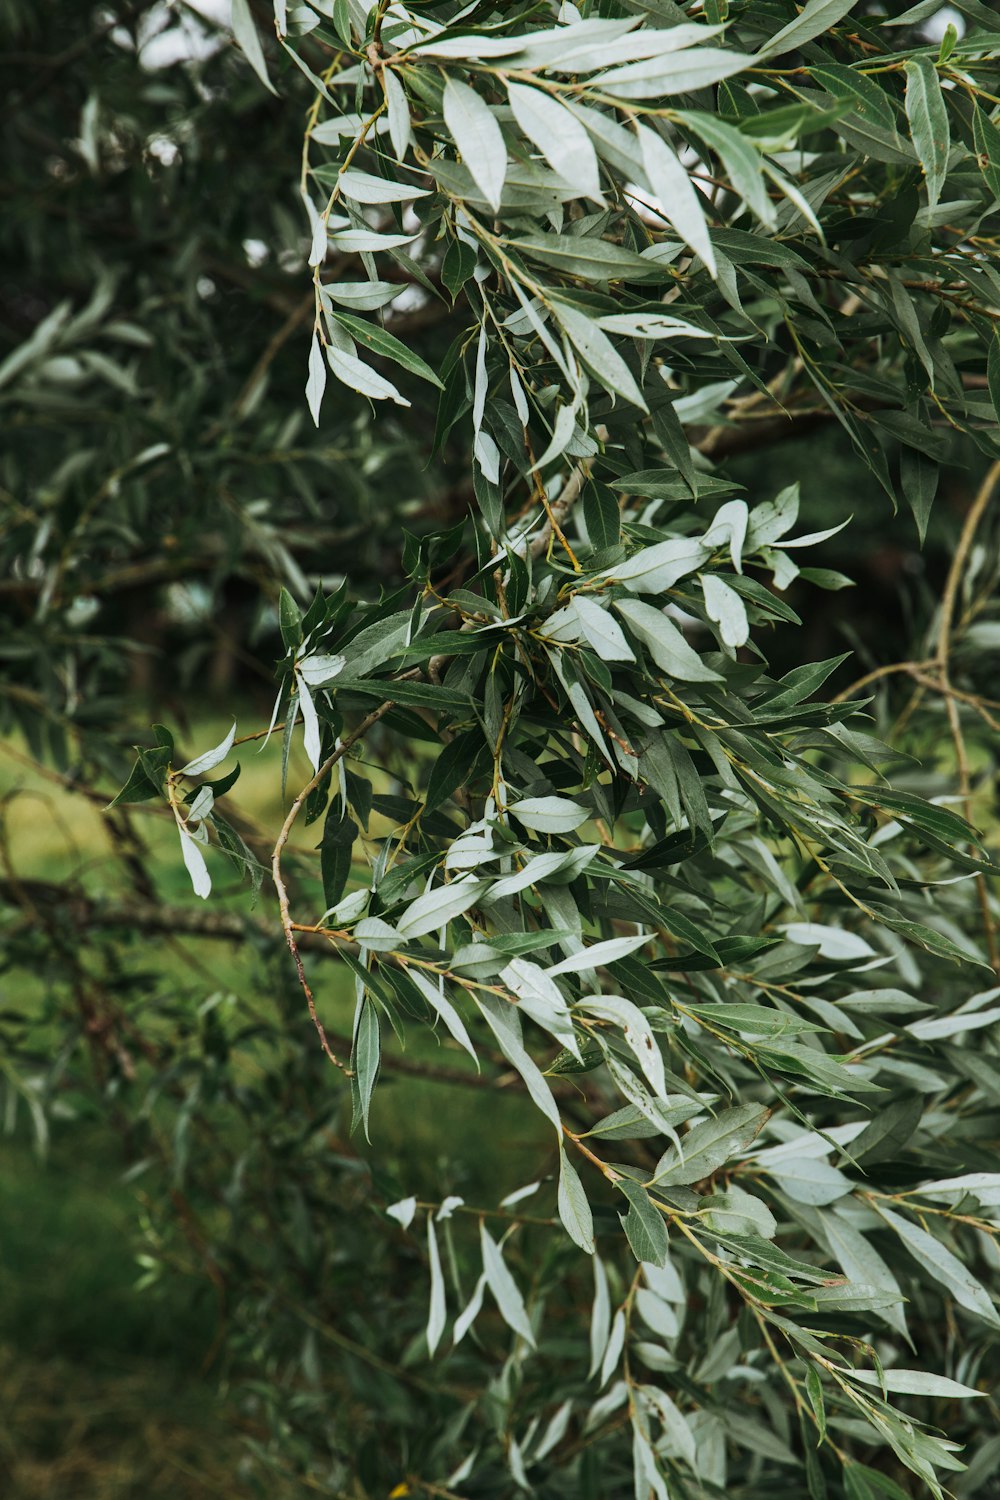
(675, 1427)
(809, 1180)
(597, 954)
(643, 1224)
(664, 642)
(680, 73)
(211, 758)
(559, 135)
(599, 353)
(928, 938)
(637, 1032)
(539, 997)
(710, 1145)
(864, 94)
(419, 694)
(366, 1054)
(986, 138)
(378, 341)
(601, 630)
(725, 606)
(316, 381)
(587, 257)
(458, 265)
(574, 1210)
(504, 1288)
(752, 1020)
(505, 1023)
(815, 18)
(944, 1266)
(738, 1212)
(141, 786)
(863, 1264)
(918, 479)
(814, 1390)
(439, 906)
(364, 296)
(655, 569)
(437, 1313)
(600, 1318)
(916, 1383)
(478, 137)
(993, 372)
(679, 201)
(549, 814)
(358, 241)
(353, 372)
(740, 158)
(398, 106)
(245, 31)
(362, 187)
(339, 833)
(201, 881)
(889, 1131)
(440, 1004)
(928, 116)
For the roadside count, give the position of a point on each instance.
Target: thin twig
(279, 883)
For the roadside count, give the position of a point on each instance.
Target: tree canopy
(547, 273)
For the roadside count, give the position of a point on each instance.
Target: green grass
(103, 1388)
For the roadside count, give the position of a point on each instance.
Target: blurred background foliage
(153, 326)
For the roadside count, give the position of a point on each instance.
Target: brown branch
(42, 899)
(558, 511)
(730, 441)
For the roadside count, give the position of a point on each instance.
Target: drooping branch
(86, 913)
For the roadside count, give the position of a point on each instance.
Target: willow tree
(568, 820)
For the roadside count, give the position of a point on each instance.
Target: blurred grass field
(105, 1388)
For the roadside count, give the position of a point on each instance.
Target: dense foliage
(718, 952)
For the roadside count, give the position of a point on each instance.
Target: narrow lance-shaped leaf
(363, 187)
(504, 1288)
(678, 73)
(245, 32)
(599, 353)
(439, 906)
(316, 383)
(944, 1266)
(559, 135)
(677, 197)
(437, 1313)
(643, 1224)
(504, 1022)
(710, 1145)
(815, 18)
(600, 1317)
(478, 137)
(378, 341)
(365, 1057)
(194, 861)
(438, 1002)
(211, 758)
(928, 116)
(400, 132)
(353, 372)
(574, 1210)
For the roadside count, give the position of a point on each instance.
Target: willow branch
(287, 926)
